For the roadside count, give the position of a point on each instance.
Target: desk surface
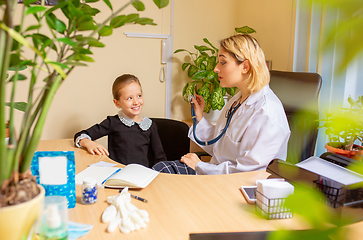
(178, 204)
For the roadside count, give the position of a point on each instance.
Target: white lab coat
(258, 133)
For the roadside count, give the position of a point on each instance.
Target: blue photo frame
(68, 187)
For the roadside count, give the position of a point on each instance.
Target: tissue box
(270, 198)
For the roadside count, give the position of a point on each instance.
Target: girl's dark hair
(120, 82)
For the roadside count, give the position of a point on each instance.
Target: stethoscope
(229, 116)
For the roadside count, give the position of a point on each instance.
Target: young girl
(258, 131)
(131, 138)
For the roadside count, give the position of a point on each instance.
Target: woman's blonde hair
(244, 47)
(120, 82)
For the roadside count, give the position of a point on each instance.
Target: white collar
(145, 124)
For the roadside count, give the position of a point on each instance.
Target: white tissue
(124, 214)
(271, 194)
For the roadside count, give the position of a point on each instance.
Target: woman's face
(230, 73)
(131, 101)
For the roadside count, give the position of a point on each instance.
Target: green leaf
(73, 63)
(118, 21)
(138, 5)
(132, 17)
(91, 1)
(33, 27)
(105, 31)
(85, 58)
(192, 70)
(60, 26)
(21, 106)
(245, 30)
(59, 64)
(108, 3)
(67, 41)
(86, 26)
(185, 65)
(161, 3)
(200, 75)
(210, 75)
(96, 44)
(35, 9)
(210, 44)
(217, 100)
(204, 48)
(21, 77)
(145, 21)
(181, 50)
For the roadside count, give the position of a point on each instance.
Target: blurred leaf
(21, 106)
(118, 21)
(21, 77)
(200, 75)
(161, 3)
(145, 21)
(35, 9)
(138, 5)
(108, 3)
(105, 31)
(132, 17)
(245, 30)
(66, 41)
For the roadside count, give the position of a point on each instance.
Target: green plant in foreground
(72, 32)
(345, 125)
(205, 81)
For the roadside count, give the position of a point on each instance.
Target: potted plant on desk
(344, 127)
(72, 32)
(204, 81)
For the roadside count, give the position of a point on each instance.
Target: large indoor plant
(43, 44)
(204, 81)
(344, 127)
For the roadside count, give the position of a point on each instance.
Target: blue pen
(111, 175)
(136, 197)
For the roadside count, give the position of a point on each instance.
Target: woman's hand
(93, 148)
(199, 105)
(190, 159)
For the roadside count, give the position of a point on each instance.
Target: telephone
(163, 60)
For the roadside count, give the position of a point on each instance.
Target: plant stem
(29, 152)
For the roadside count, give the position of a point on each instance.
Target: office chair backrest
(299, 93)
(174, 138)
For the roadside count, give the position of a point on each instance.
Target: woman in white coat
(258, 131)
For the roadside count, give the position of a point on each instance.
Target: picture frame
(46, 2)
(269, 64)
(55, 171)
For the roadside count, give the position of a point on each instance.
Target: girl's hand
(199, 105)
(190, 159)
(93, 148)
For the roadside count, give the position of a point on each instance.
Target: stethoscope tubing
(206, 143)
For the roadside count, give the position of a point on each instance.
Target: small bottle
(89, 191)
(53, 228)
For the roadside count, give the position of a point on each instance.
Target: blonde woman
(258, 131)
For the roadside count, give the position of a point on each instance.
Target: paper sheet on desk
(330, 170)
(103, 164)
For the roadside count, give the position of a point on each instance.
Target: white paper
(103, 164)
(330, 170)
(53, 170)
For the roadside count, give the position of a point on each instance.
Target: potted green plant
(72, 32)
(204, 81)
(344, 127)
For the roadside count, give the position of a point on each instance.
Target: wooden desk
(179, 204)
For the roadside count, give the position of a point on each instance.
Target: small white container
(89, 191)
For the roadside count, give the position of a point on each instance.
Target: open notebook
(132, 176)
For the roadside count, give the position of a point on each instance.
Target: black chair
(299, 93)
(174, 138)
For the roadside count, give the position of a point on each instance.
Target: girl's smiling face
(131, 101)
